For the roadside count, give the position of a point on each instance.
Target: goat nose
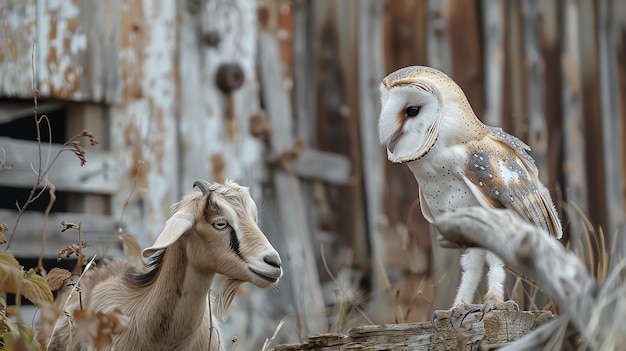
(273, 260)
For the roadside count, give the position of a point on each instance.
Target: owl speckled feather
(427, 123)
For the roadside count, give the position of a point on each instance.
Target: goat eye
(220, 225)
(412, 111)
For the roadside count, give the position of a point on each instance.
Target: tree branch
(530, 251)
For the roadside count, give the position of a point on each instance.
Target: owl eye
(412, 111)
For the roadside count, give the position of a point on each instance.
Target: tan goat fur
(167, 302)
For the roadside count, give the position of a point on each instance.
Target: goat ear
(175, 226)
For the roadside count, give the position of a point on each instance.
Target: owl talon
(439, 315)
(504, 306)
(473, 311)
(515, 306)
(459, 312)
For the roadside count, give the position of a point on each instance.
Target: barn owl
(427, 122)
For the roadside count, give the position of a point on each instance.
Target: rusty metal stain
(17, 28)
(66, 42)
(131, 52)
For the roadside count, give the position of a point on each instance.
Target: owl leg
(472, 262)
(495, 279)
(494, 299)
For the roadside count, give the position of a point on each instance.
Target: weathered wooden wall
(142, 75)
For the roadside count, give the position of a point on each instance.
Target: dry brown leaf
(3, 229)
(56, 277)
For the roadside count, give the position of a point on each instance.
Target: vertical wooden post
(534, 71)
(573, 123)
(493, 60)
(611, 126)
(142, 126)
(370, 74)
(299, 260)
(93, 118)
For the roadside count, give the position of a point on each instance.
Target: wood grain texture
(494, 328)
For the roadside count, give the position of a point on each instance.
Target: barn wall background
(294, 117)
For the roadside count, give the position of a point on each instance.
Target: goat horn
(203, 185)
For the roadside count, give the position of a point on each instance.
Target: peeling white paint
(152, 118)
(60, 31)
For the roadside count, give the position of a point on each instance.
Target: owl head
(422, 106)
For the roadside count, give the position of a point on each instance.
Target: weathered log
(494, 328)
(595, 312)
(530, 251)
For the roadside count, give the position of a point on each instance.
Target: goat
(168, 301)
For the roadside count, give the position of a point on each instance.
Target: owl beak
(391, 143)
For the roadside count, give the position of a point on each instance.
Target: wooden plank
(620, 21)
(493, 60)
(337, 123)
(98, 175)
(370, 73)
(516, 80)
(76, 49)
(215, 141)
(534, 71)
(465, 50)
(98, 230)
(323, 166)
(573, 124)
(550, 43)
(299, 260)
(19, 29)
(613, 154)
(12, 110)
(90, 117)
(438, 36)
(405, 33)
(142, 127)
(590, 80)
(405, 22)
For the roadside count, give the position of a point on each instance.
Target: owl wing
(501, 174)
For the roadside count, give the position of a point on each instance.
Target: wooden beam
(534, 71)
(370, 73)
(493, 60)
(98, 230)
(299, 260)
(12, 110)
(97, 176)
(573, 123)
(323, 166)
(613, 152)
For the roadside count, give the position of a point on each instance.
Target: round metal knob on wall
(229, 77)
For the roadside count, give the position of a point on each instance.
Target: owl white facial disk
(410, 121)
